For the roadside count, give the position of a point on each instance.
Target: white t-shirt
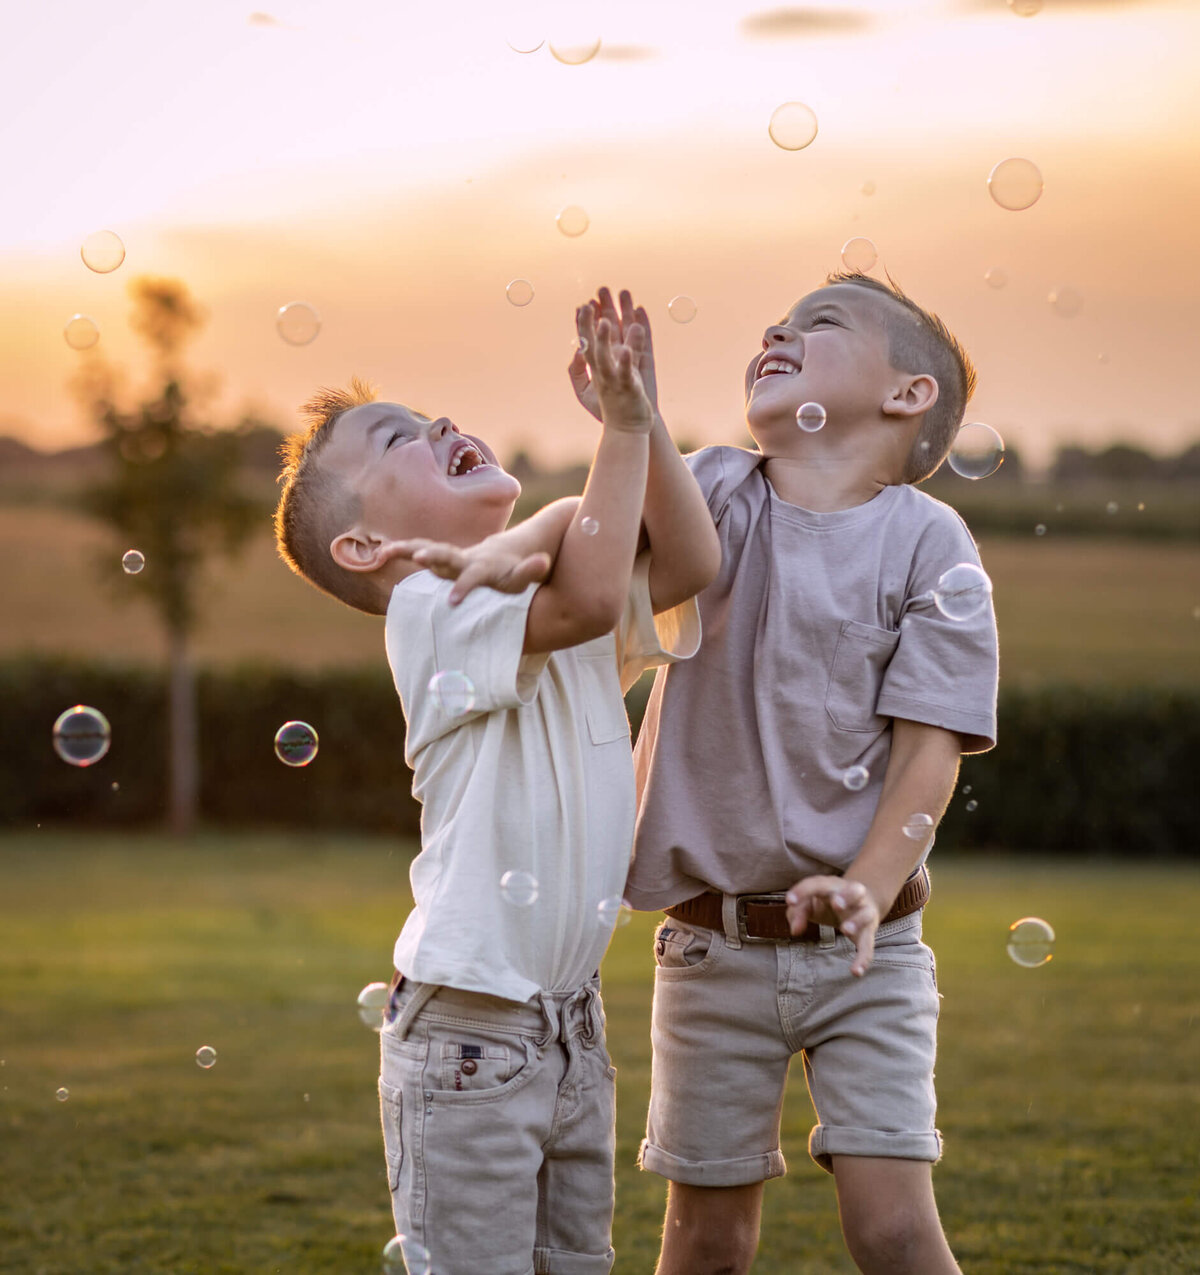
(819, 630)
(536, 779)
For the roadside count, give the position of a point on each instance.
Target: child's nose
(441, 427)
(773, 335)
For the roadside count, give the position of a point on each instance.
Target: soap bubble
(793, 126)
(856, 778)
(298, 323)
(372, 1001)
(1030, 942)
(810, 417)
(589, 526)
(453, 692)
(132, 561)
(62, 1094)
(996, 277)
(977, 451)
(519, 292)
(572, 221)
(575, 47)
(81, 333)
(295, 743)
(81, 735)
(918, 827)
(1015, 184)
(613, 912)
(103, 251)
(859, 254)
(682, 309)
(1040, 529)
(1025, 8)
(1111, 507)
(972, 806)
(962, 591)
(868, 188)
(525, 41)
(206, 1055)
(1065, 301)
(519, 888)
(402, 1255)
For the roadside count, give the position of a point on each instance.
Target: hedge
(1078, 770)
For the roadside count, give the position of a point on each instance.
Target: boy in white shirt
(496, 1087)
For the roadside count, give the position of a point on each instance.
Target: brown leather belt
(762, 918)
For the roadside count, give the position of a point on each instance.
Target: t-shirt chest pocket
(605, 709)
(860, 661)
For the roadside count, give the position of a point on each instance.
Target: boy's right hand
(497, 563)
(612, 358)
(603, 307)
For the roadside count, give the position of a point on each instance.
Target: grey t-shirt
(819, 629)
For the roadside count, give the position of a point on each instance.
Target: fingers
(846, 904)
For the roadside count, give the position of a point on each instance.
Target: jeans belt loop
(734, 921)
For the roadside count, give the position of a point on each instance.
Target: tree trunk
(184, 759)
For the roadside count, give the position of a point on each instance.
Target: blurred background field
(1068, 1093)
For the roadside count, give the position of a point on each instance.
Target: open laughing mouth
(464, 459)
(775, 366)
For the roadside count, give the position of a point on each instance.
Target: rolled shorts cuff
(826, 1141)
(559, 1261)
(739, 1172)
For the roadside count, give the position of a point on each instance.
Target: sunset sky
(395, 165)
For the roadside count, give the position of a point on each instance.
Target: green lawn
(1069, 1095)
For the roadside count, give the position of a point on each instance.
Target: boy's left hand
(494, 563)
(838, 901)
(603, 307)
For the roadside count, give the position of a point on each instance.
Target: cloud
(263, 20)
(626, 53)
(795, 22)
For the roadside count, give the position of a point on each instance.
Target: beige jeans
(499, 1130)
(728, 1017)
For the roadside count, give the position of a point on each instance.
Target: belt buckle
(739, 912)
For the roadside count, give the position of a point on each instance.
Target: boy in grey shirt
(790, 779)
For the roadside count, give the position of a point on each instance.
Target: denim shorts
(727, 1019)
(499, 1130)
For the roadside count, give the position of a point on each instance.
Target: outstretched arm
(921, 774)
(684, 552)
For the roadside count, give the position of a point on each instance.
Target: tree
(172, 493)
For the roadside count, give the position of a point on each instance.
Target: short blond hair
(316, 505)
(919, 342)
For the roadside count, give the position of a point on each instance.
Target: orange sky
(396, 166)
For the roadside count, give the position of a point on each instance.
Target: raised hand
(611, 357)
(500, 562)
(623, 320)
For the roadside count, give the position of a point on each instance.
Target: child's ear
(357, 550)
(913, 396)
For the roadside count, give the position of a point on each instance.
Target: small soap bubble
(589, 526)
(918, 827)
(977, 451)
(298, 323)
(132, 561)
(859, 254)
(868, 188)
(572, 221)
(613, 912)
(1112, 507)
(519, 292)
(856, 778)
(62, 1094)
(682, 309)
(1015, 184)
(116, 787)
(206, 1055)
(1065, 301)
(402, 1255)
(453, 692)
(996, 277)
(966, 788)
(1040, 529)
(81, 333)
(81, 735)
(1025, 8)
(372, 1001)
(574, 47)
(1030, 942)
(972, 806)
(524, 41)
(810, 417)
(519, 888)
(793, 126)
(103, 251)
(295, 743)
(962, 591)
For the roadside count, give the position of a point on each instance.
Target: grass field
(1079, 610)
(1069, 1095)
